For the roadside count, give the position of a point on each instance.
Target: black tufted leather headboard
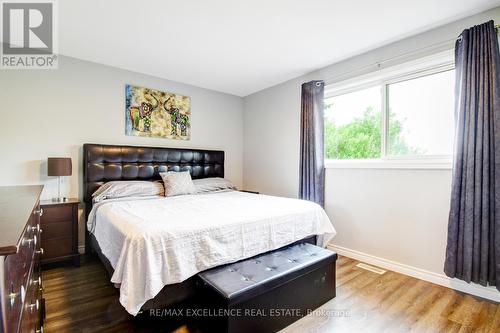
(103, 163)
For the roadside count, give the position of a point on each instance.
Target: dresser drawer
(60, 232)
(57, 214)
(19, 260)
(56, 230)
(57, 248)
(19, 292)
(19, 267)
(32, 309)
(14, 297)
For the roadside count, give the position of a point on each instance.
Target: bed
(154, 247)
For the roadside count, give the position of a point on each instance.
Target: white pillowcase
(212, 184)
(131, 188)
(177, 183)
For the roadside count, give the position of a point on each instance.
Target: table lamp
(59, 166)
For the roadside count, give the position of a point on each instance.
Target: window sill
(424, 163)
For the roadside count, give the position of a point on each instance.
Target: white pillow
(212, 184)
(177, 183)
(130, 188)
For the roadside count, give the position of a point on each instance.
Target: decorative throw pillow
(177, 183)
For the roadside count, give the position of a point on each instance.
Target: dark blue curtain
(473, 249)
(312, 156)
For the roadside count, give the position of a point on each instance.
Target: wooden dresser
(22, 305)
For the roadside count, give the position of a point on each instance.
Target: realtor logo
(28, 35)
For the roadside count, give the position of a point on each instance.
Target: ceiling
(240, 47)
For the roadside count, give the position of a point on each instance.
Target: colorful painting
(156, 113)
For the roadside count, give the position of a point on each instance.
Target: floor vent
(371, 268)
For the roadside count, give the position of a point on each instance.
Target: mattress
(152, 242)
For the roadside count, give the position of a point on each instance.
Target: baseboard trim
(490, 293)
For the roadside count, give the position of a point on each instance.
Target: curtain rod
(442, 46)
(378, 64)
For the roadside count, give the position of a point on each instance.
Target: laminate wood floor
(81, 299)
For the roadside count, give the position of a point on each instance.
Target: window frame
(434, 64)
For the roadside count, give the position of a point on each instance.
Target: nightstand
(59, 223)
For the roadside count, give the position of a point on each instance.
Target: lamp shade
(59, 166)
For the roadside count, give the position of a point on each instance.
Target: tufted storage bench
(270, 291)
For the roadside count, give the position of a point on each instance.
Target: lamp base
(63, 199)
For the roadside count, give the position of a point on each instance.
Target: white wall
(398, 216)
(53, 112)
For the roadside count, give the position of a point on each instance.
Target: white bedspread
(158, 241)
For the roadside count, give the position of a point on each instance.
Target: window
(421, 115)
(392, 119)
(353, 125)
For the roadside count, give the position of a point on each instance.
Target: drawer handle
(39, 212)
(40, 251)
(36, 228)
(14, 295)
(23, 294)
(40, 330)
(34, 306)
(37, 281)
(27, 241)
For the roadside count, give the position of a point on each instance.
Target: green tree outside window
(361, 138)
